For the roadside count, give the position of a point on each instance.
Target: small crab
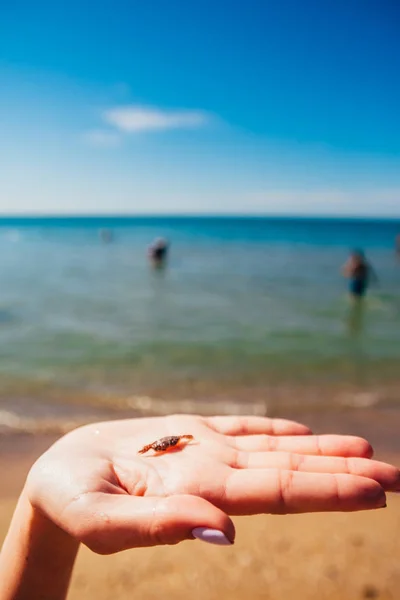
(165, 443)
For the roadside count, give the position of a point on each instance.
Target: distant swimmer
(359, 273)
(158, 252)
(105, 236)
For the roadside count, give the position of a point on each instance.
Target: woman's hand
(95, 486)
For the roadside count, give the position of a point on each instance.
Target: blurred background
(200, 212)
(246, 312)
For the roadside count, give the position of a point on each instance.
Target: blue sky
(168, 106)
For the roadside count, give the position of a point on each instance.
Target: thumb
(120, 522)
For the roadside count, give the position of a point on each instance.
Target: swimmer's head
(160, 242)
(358, 255)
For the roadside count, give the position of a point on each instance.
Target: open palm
(93, 483)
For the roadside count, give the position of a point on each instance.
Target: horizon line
(104, 215)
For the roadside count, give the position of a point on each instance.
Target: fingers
(320, 445)
(386, 475)
(120, 522)
(281, 492)
(255, 425)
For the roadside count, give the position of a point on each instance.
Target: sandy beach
(324, 557)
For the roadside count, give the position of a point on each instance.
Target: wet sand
(304, 557)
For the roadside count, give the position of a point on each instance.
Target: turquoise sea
(244, 306)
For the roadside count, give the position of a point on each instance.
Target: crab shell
(163, 444)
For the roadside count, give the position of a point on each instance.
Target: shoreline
(54, 411)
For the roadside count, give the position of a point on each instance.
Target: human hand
(95, 486)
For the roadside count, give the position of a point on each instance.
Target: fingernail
(375, 497)
(211, 536)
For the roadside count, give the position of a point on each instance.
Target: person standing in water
(158, 252)
(359, 273)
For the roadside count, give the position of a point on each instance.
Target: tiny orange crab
(165, 443)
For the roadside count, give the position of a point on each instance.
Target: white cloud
(102, 138)
(135, 118)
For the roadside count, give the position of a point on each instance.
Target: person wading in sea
(359, 272)
(158, 252)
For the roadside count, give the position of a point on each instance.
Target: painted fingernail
(211, 536)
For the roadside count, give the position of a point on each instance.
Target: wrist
(37, 557)
(43, 528)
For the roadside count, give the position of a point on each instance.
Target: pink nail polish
(211, 536)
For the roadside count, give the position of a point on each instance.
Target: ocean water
(243, 304)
